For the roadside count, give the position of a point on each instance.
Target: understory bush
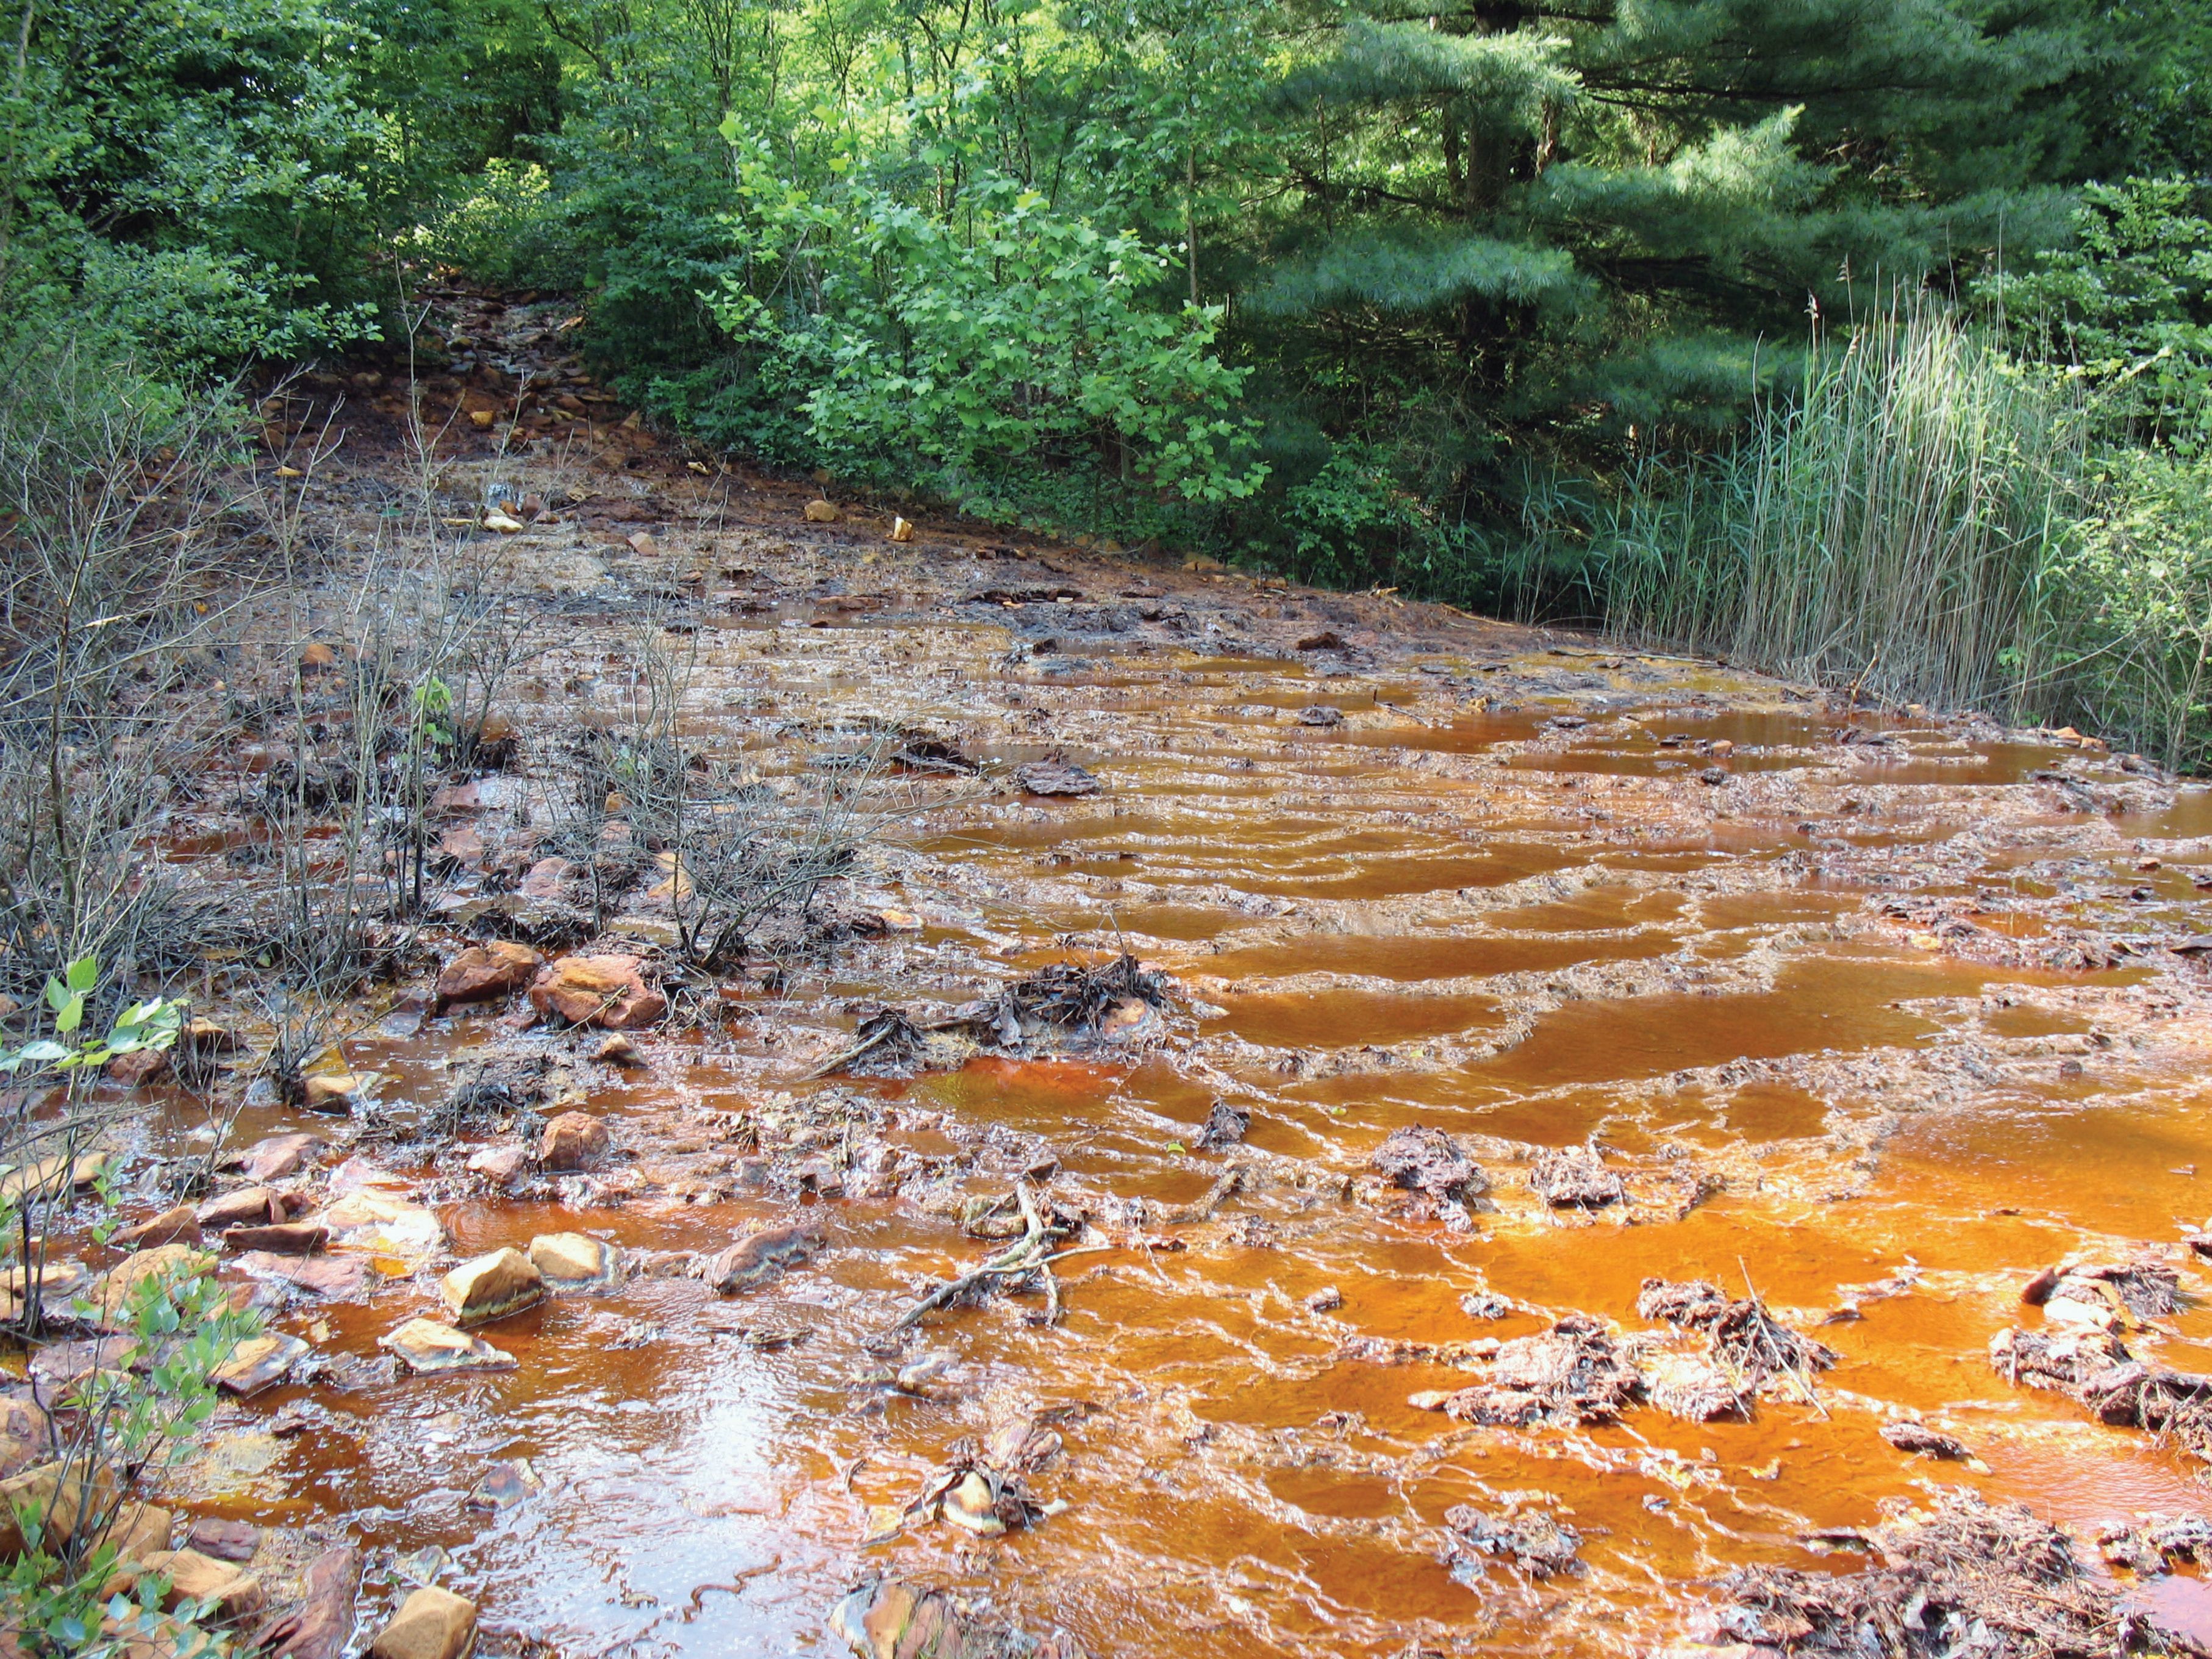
(2123, 641)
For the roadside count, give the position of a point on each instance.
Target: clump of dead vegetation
(1066, 1006)
(1963, 1580)
(1756, 1351)
(1573, 1373)
(2081, 1353)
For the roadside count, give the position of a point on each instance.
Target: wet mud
(1791, 1042)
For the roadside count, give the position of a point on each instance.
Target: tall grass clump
(1885, 527)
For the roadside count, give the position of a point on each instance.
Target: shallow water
(1394, 921)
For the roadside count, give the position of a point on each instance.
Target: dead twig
(1028, 1255)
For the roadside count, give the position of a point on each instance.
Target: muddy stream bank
(1865, 1019)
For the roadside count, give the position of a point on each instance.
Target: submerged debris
(1966, 1579)
(1530, 1540)
(884, 1619)
(920, 751)
(1424, 1160)
(1575, 1177)
(1225, 1125)
(1054, 778)
(1914, 1437)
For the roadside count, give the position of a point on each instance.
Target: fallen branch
(1028, 1255)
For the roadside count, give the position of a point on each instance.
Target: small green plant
(122, 1421)
(129, 1421)
(143, 1025)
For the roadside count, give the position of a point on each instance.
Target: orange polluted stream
(1433, 915)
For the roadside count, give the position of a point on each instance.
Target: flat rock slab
(606, 991)
(320, 1624)
(245, 1207)
(225, 1540)
(755, 1259)
(64, 1363)
(425, 1346)
(1055, 778)
(334, 1278)
(259, 1363)
(383, 1223)
(279, 1156)
(196, 1577)
(504, 1486)
(127, 1281)
(482, 972)
(179, 1226)
(278, 1237)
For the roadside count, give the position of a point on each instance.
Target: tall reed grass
(1885, 527)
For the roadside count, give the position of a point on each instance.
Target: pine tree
(1555, 227)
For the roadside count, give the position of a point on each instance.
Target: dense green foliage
(1428, 298)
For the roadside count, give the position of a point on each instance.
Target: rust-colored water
(1425, 915)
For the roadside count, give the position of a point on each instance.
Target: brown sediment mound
(1756, 1349)
(1531, 1540)
(1424, 1160)
(1966, 1578)
(1575, 1177)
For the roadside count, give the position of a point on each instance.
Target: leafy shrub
(193, 179)
(1021, 334)
(2122, 639)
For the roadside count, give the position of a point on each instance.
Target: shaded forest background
(1867, 340)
